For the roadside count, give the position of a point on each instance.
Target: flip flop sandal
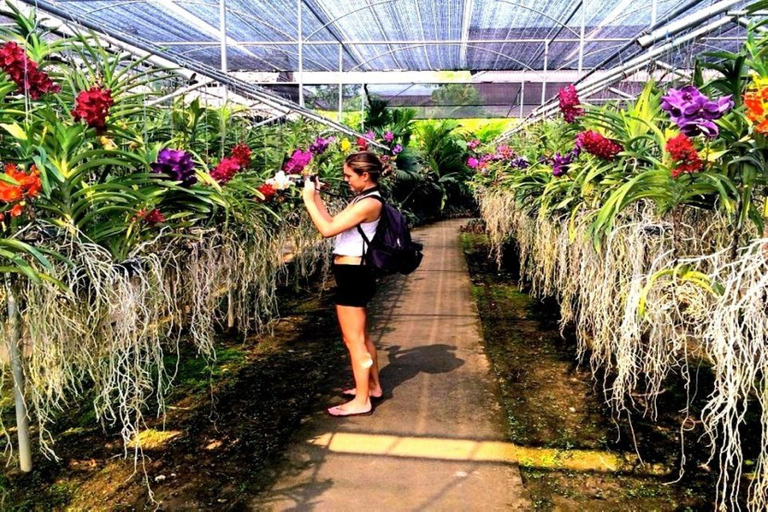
(338, 412)
(344, 393)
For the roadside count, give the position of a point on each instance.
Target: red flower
(598, 145)
(242, 155)
(226, 170)
(268, 191)
(569, 99)
(151, 218)
(23, 71)
(93, 106)
(362, 144)
(154, 217)
(17, 209)
(680, 147)
(685, 155)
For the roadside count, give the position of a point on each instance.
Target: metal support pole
(653, 12)
(179, 92)
(678, 72)
(301, 58)
(184, 66)
(522, 97)
(631, 66)
(341, 77)
(544, 77)
(14, 342)
(687, 22)
(223, 27)
(223, 128)
(581, 35)
(621, 93)
(224, 69)
(362, 107)
(270, 120)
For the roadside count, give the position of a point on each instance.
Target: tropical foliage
(129, 222)
(648, 223)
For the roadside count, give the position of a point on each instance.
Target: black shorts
(355, 285)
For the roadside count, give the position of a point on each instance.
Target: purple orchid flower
(472, 162)
(389, 137)
(560, 163)
(520, 162)
(397, 149)
(320, 145)
(693, 112)
(177, 164)
(298, 161)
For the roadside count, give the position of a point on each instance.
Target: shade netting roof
(375, 35)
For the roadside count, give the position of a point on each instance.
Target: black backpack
(391, 249)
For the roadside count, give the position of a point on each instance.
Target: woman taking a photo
(355, 282)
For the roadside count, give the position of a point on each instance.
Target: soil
(552, 401)
(225, 428)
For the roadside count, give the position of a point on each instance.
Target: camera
(301, 179)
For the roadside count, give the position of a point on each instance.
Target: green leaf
(15, 130)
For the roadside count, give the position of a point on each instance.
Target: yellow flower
(107, 143)
(345, 145)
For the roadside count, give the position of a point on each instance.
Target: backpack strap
(365, 242)
(359, 228)
(371, 192)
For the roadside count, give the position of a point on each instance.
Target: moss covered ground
(551, 401)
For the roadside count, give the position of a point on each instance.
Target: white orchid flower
(281, 181)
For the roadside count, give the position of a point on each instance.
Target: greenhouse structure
(384, 254)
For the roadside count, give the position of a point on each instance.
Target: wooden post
(230, 309)
(14, 342)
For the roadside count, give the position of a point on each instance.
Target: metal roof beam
(549, 40)
(480, 48)
(190, 67)
(644, 58)
(466, 20)
(631, 66)
(678, 72)
(436, 42)
(333, 31)
(205, 27)
(689, 21)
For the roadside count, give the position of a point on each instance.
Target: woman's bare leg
(373, 383)
(352, 322)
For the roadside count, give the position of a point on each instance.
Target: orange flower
(28, 184)
(9, 193)
(756, 101)
(16, 210)
(33, 182)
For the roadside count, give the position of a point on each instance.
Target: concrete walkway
(437, 440)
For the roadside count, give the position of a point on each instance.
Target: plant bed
(553, 402)
(225, 426)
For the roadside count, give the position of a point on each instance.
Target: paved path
(436, 441)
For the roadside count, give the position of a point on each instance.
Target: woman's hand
(309, 190)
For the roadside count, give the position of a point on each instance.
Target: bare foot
(373, 393)
(351, 408)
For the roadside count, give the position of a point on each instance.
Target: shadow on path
(405, 364)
